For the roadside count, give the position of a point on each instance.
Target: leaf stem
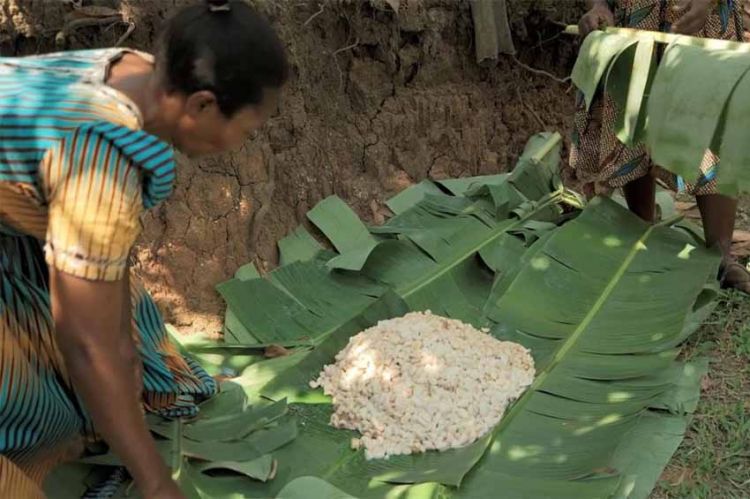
(546, 148)
(572, 339)
(671, 38)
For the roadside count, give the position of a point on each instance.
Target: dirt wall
(377, 100)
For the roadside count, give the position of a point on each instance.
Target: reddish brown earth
(377, 100)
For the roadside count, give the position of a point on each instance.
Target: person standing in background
(602, 163)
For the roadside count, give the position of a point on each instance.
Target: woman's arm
(101, 359)
(128, 348)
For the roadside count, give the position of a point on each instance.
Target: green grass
(714, 459)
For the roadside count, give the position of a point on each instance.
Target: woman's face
(202, 129)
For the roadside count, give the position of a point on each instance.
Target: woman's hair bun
(218, 5)
(225, 47)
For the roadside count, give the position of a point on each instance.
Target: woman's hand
(167, 489)
(599, 16)
(695, 15)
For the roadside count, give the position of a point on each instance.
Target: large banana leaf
(602, 377)
(595, 57)
(693, 101)
(564, 293)
(680, 134)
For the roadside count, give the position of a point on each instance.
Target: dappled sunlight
(388, 374)
(367, 357)
(612, 242)
(372, 365)
(409, 491)
(430, 362)
(496, 447)
(540, 263)
(404, 389)
(615, 397)
(628, 486)
(686, 251)
(605, 421)
(361, 348)
(517, 452)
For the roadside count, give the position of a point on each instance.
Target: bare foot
(734, 275)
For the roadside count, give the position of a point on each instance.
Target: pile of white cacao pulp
(423, 382)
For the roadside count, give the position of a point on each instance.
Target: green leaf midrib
(572, 340)
(417, 285)
(410, 289)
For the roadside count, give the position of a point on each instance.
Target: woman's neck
(136, 77)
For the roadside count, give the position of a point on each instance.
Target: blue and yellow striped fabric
(76, 173)
(74, 162)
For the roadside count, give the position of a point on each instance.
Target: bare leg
(640, 195)
(718, 214)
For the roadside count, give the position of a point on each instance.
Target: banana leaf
(462, 186)
(284, 307)
(431, 241)
(234, 426)
(601, 375)
(259, 469)
(594, 59)
(216, 456)
(680, 133)
(693, 101)
(345, 231)
(630, 74)
(734, 175)
(225, 359)
(300, 245)
(465, 256)
(599, 372)
(411, 196)
(309, 486)
(234, 331)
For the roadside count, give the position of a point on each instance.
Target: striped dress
(76, 172)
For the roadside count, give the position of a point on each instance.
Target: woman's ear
(200, 102)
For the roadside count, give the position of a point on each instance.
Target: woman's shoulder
(73, 61)
(65, 86)
(109, 143)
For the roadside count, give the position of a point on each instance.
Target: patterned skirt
(599, 160)
(42, 420)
